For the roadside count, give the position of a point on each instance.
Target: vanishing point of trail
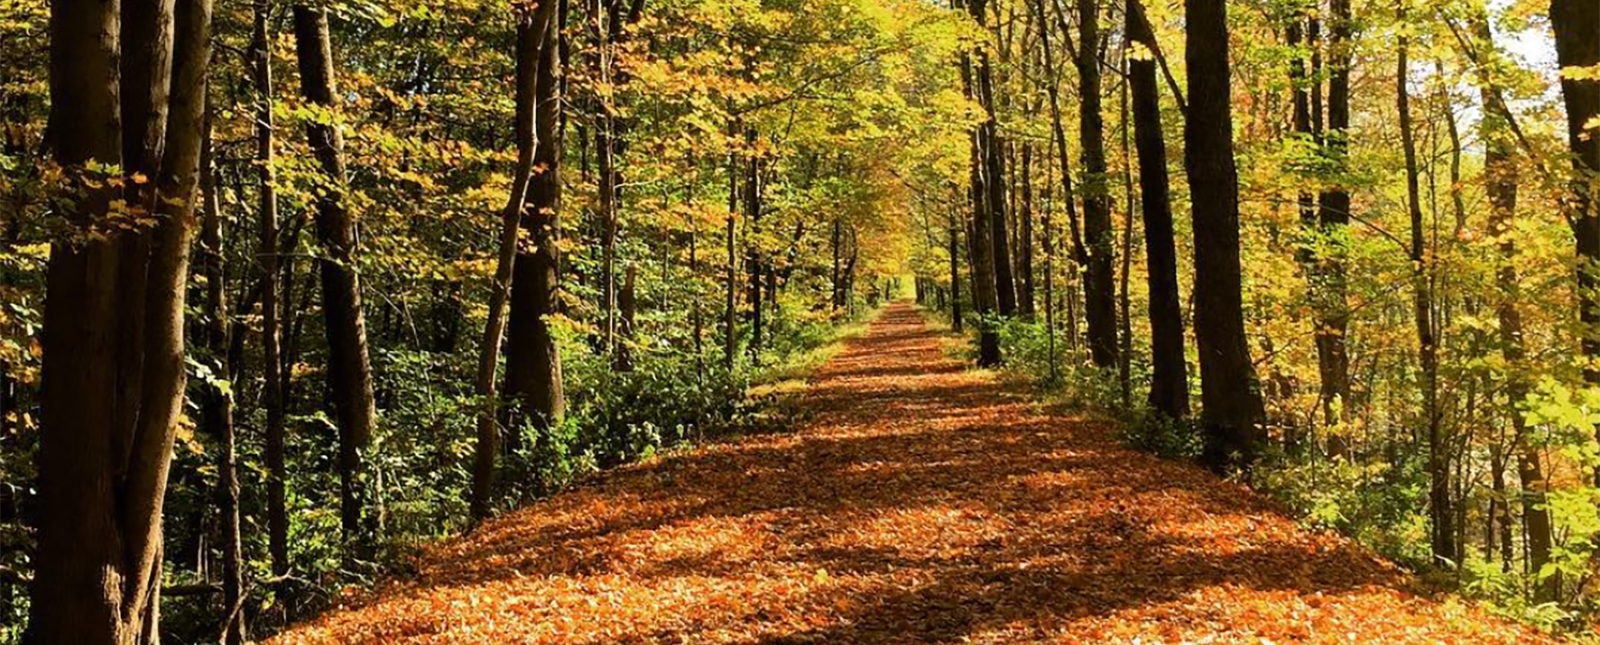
(917, 503)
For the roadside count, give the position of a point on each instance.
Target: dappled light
(921, 503)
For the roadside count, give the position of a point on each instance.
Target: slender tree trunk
(627, 310)
(955, 275)
(754, 263)
(1443, 539)
(349, 369)
(1333, 213)
(1231, 408)
(1502, 177)
(1169, 386)
(1025, 300)
(217, 402)
(730, 348)
(836, 240)
(1124, 299)
(272, 397)
(110, 417)
(1079, 255)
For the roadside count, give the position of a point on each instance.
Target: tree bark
(531, 27)
(1169, 379)
(1577, 30)
(955, 274)
(991, 172)
(1231, 408)
(980, 246)
(1501, 178)
(1100, 289)
(533, 360)
(1025, 299)
(267, 259)
(730, 313)
(217, 401)
(111, 400)
(349, 368)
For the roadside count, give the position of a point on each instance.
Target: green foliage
(1377, 503)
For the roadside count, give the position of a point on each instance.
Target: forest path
(920, 503)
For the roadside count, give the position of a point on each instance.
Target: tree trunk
(955, 274)
(217, 402)
(1100, 289)
(1169, 379)
(753, 256)
(991, 171)
(531, 28)
(1577, 29)
(110, 416)
(1443, 536)
(533, 360)
(1231, 410)
(730, 314)
(1025, 300)
(267, 257)
(349, 369)
(1333, 214)
(980, 246)
(627, 308)
(1502, 177)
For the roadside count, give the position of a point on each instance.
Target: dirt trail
(921, 503)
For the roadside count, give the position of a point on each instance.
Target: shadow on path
(920, 504)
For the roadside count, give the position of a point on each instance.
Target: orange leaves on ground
(922, 504)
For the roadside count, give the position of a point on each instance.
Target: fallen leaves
(922, 505)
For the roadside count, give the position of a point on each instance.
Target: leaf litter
(920, 503)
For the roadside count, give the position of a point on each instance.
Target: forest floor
(918, 502)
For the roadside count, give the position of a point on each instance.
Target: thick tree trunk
(1100, 289)
(272, 397)
(1169, 379)
(990, 172)
(533, 361)
(531, 27)
(349, 368)
(1577, 29)
(1231, 408)
(111, 399)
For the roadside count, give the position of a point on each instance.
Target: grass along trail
(919, 503)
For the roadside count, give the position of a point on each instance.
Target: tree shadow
(920, 505)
